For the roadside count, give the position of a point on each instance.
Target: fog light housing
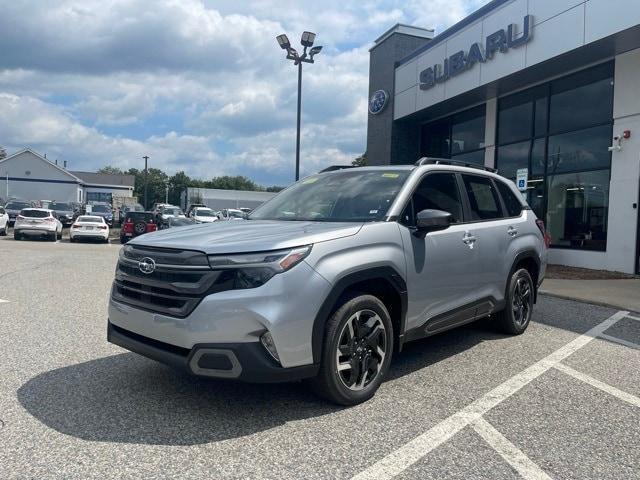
(267, 342)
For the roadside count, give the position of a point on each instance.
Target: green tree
(274, 188)
(157, 184)
(227, 182)
(361, 161)
(111, 170)
(177, 184)
(3, 152)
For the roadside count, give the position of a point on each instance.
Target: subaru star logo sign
(147, 265)
(378, 101)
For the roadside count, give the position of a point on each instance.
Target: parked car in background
(65, 212)
(192, 206)
(232, 214)
(37, 222)
(204, 215)
(14, 207)
(103, 210)
(135, 224)
(246, 210)
(4, 222)
(44, 204)
(89, 227)
(168, 211)
(174, 222)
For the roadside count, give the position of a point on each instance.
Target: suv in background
(65, 211)
(331, 277)
(37, 222)
(103, 210)
(135, 224)
(14, 207)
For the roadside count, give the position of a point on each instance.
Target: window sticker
(390, 175)
(373, 212)
(309, 180)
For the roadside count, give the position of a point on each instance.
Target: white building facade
(27, 175)
(545, 91)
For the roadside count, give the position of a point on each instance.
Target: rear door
(489, 231)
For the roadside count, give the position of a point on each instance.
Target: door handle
(469, 239)
(511, 231)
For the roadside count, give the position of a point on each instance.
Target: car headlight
(250, 270)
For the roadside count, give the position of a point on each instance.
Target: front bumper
(248, 362)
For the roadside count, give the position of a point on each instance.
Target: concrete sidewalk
(623, 294)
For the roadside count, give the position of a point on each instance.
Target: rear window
(172, 211)
(511, 202)
(139, 217)
(18, 205)
(101, 208)
(62, 206)
(91, 219)
(34, 213)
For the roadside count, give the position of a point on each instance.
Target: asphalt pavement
(560, 401)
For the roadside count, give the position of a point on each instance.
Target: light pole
(146, 182)
(306, 40)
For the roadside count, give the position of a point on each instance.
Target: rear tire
(3, 232)
(17, 236)
(53, 236)
(516, 316)
(356, 352)
(59, 235)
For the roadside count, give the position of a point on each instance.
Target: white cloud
(197, 85)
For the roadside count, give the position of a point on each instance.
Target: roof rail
(446, 161)
(336, 167)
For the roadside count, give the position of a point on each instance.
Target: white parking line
(509, 452)
(4, 301)
(632, 317)
(405, 456)
(626, 343)
(627, 397)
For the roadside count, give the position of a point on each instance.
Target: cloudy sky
(199, 86)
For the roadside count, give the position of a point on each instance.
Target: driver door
(438, 264)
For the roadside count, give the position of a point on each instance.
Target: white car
(32, 222)
(171, 211)
(89, 227)
(4, 222)
(232, 214)
(204, 215)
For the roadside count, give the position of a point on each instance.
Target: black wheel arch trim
(524, 255)
(342, 285)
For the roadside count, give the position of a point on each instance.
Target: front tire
(357, 351)
(516, 316)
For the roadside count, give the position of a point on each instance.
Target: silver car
(37, 222)
(333, 276)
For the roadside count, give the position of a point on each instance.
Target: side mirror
(432, 221)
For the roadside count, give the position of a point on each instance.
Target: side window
(438, 191)
(511, 202)
(483, 199)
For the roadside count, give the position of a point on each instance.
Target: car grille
(177, 285)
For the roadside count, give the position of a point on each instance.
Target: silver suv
(332, 276)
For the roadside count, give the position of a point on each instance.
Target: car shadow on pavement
(126, 398)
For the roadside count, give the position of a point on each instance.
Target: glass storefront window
(577, 209)
(565, 151)
(582, 150)
(512, 157)
(460, 136)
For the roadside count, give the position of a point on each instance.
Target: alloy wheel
(361, 350)
(522, 300)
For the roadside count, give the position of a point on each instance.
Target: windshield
(236, 213)
(62, 206)
(172, 211)
(202, 212)
(342, 196)
(90, 219)
(17, 205)
(34, 213)
(101, 208)
(181, 222)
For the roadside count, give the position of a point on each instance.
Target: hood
(247, 236)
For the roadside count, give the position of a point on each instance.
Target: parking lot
(560, 401)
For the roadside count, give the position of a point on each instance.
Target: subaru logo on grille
(147, 265)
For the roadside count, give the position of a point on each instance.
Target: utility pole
(166, 192)
(146, 183)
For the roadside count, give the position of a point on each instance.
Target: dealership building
(547, 92)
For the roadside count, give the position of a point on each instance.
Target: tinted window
(18, 205)
(139, 217)
(91, 219)
(511, 202)
(467, 131)
(34, 213)
(581, 150)
(482, 196)
(62, 207)
(581, 100)
(100, 208)
(515, 122)
(438, 191)
(512, 157)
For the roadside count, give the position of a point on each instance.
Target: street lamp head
(292, 53)
(307, 39)
(315, 51)
(283, 41)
